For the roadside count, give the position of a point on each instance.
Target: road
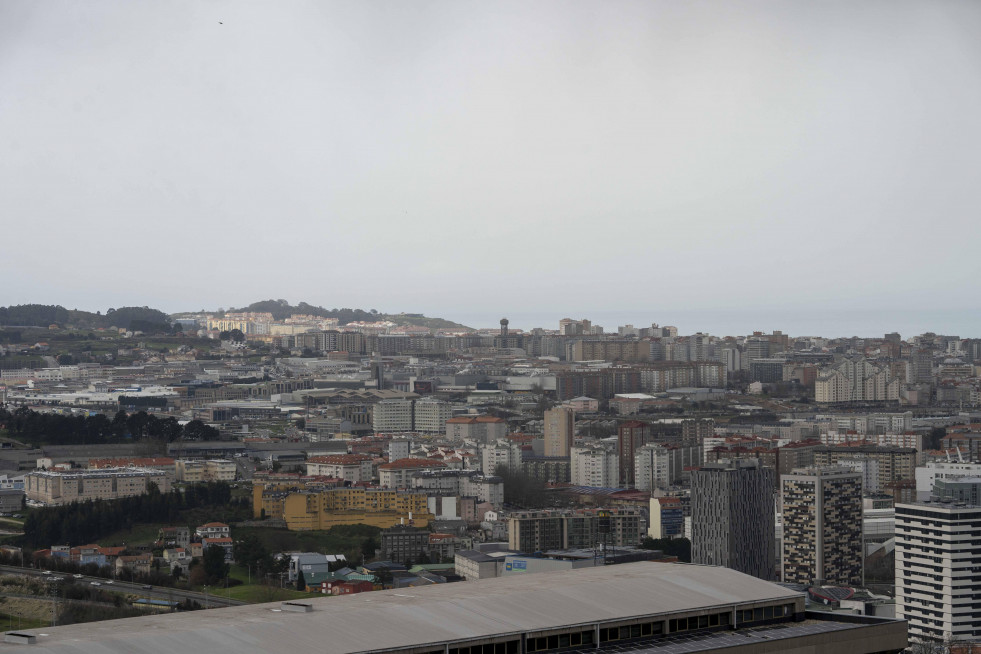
(157, 592)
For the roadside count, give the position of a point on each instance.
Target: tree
(196, 430)
(250, 551)
(214, 564)
(301, 582)
(236, 335)
(368, 548)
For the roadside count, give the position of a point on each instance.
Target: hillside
(44, 315)
(281, 309)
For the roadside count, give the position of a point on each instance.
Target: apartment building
(595, 465)
(392, 416)
(480, 429)
(533, 531)
(733, 517)
(631, 435)
(163, 464)
(321, 510)
(560, 431)
(56, 488)
(398, 474)
(485, 488)
(192, 471)
(856, 380)
(822, 527)
(894, 463)
(938, 570)
(349, 467)
(629, 351)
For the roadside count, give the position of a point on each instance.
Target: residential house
(213, 530)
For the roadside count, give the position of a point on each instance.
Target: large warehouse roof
(417, 616)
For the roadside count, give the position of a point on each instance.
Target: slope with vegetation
(44, 315)
(281, 309)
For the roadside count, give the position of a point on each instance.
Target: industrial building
(648, 607)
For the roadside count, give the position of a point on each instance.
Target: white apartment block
(392, 416)
(349, 467)
(398, 474)
(462, 483)
(874, 422)
(928, 474)
(652, 467)
(431, 415)
(938, 570)
(893, 439)
(856, 380)
(595, 466)
(501, 453)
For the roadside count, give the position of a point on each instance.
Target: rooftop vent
(299, 607)
(19, 638)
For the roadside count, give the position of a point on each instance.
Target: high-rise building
(733, 517)
(822, 526)
(938, 570)
(697, 430)
(560, 430)
(595, 466)
(631, 435)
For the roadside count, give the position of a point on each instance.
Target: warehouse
(650, 607)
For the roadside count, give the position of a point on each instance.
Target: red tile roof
(340, 459)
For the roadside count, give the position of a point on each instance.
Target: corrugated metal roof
(417, 616)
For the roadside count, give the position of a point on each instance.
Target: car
(95, 583)
(110, 581)
(78, 576)
(147, 587)
(47, 572)
(17, 515)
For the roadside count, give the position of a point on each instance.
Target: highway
(157, 592)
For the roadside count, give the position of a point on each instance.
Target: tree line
(87, 522)
(36, 428)
(42, 315)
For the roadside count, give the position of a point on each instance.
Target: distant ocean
(965, 323)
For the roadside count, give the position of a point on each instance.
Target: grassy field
(138, 535)
(346, 539)
(13, 622)
(256, 593)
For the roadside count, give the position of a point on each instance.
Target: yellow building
(320, 509)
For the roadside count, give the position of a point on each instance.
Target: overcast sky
(456, 157)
